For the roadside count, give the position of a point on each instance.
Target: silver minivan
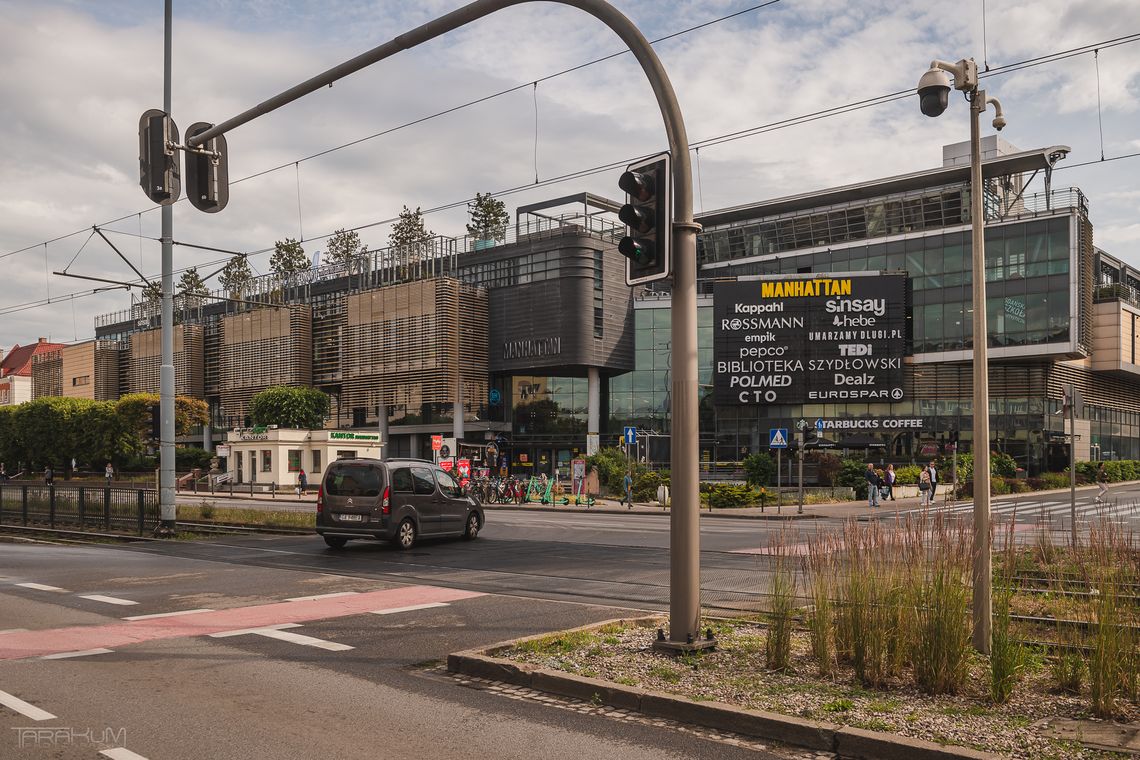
(398, 500)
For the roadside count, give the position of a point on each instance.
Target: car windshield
(353, 481)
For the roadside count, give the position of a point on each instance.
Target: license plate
(351, 518)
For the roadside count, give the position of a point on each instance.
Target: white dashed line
(68, 655)
(321, 596)
(13, 630)
(394, 610)
(42, 587)
(107, 599)
(22, 707)
(166, 614)
(277, 632)
(121, 753)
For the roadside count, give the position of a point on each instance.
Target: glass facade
(1028, 297)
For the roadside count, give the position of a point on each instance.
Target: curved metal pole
(684, 540)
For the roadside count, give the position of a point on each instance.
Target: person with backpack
(627, 490)
(302, 483)
(924, 487)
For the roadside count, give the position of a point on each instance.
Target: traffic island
(849, 742)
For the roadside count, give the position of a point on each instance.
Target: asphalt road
(223, 680)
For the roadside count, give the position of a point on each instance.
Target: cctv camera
(934, 92)
(999, 123)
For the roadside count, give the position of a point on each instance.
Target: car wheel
(472, 529)
(405, 534)
(335, 542)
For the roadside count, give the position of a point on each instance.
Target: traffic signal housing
(207, 173)
(158, 159)
(648, 216)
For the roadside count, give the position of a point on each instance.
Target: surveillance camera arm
(965, 72)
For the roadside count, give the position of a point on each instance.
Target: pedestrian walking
(1101, 484)
(302, 483)
(890, 478)
(924, 486)
(627, 490)
(3, 472)
(49, 476)
(109, 474)
(874, 483)
(933, 480)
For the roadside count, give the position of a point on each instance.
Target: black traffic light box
(648, 215)
(207, 173)
(156, 422)
(158, 161)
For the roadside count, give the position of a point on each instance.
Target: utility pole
(167, 508)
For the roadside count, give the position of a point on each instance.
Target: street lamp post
(933, 93)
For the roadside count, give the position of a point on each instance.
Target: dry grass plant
(821, 574)
(781, 608)
(1008, 656)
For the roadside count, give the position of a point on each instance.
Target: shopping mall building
(536, 343)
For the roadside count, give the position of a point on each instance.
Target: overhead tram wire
(421, 120)
(761, 129)
(1061, 55)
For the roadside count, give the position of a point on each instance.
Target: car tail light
(386, 502)
(320, 499)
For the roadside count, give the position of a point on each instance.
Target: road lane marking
(120, 633)
(107, 599)
(410, 608)
(22, 707)
(247, 631)
(13, 630)
(321, 596)
(120, 753)
(277, 632)
(42, 587)
(83, 653)
(158, 615)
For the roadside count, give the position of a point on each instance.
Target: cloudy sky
(75, 75)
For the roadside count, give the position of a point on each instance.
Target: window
(316, 461)
(84, 380)
(294, 460)
(266, 460)
(447, 484)
(354, 481)
(422, 482)
(346, 454)
(402, 480)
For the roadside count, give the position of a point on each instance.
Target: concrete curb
(845, 741)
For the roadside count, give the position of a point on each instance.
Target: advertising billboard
(810, 339)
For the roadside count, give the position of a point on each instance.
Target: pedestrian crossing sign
(778, 438)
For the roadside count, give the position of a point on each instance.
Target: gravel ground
(734, 673)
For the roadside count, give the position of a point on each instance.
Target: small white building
(266, 455)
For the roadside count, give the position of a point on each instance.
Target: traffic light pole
(167, 509)
(684, 539)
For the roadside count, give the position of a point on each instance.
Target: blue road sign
(819, 424)
(778, 438)
(629, 435)
(494, 396)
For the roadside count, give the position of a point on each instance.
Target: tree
(235, 276)
(152, 294)
(288, 258)
(135, 409)
(344, 248)
(190, 288)
(489, 218)
(410, 233)
(290, 407)
(760, 469)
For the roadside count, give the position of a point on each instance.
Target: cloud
(76, 77)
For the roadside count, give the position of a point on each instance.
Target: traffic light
(648, 214)
(158, 159)
(156, 422)
(207, 173)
